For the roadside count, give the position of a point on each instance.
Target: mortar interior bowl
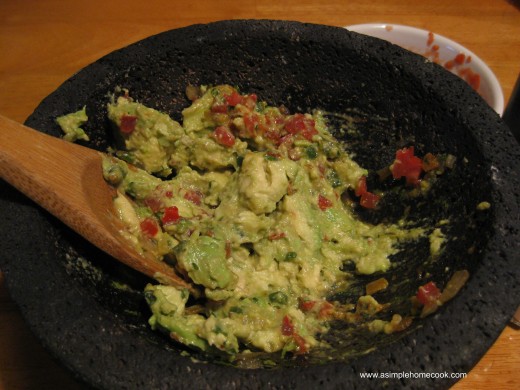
(71, 294)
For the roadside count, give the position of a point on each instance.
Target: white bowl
(443, 51)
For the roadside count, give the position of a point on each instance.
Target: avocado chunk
(149, 136)
(71, 125)
(167, 304)
(262, 183)
(204, 258)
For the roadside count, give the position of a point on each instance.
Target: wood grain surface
(42, 43)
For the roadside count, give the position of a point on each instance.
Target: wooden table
(42, 43)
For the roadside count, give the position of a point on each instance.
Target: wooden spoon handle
(43, 169)
(66, 179)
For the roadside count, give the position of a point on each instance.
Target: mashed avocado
(71, 125)
(245, 200)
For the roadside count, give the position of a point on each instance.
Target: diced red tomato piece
(369, 200)
(300, 124)
(154, 204)
(431, 38)
(300, 343)
(149, 227)
(286, 140)
(295, 124)
(460, 58)
(171, 215)
(428, 293)
(430, 162)
(128, 123)
(287, 326)
(309, 132)
(193, 196)
(223, 136)
(325, 309)
(273, 119)
(250, 101)
(449, 64)
(324, 203)
(407, 165)
(274, 136)
(219, 108)
(306, 306)
(263, 128)
(288, 330)
(474, 80)
(361, 187)
(276, 236)
(251, 121)
(233, 99)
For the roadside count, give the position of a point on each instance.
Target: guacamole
(247, 201)
(71, 125)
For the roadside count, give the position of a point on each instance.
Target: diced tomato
(169, 194)
(223, 136)
(250, 101)
(287, 326)
(295, 124)
(154, 204)
(219, 108)
(233, 99)
(300, 124)
(149, 227)
(286, 140)
(309, 132)
(273, 119)
(369, 200)
(288, 330)
(274, 136)
(428, 293)
(431, 38)
(324, 203)
(322, 308)
(193, 196)
(276, 236)
(473, 79)
(361, 187)
(460, 58)
(251, 121)
(407, 165)
(300, 342)
(128, 123)
(171, 215)
(430, 162)
(325, 309)
(449, 64)
(306, 306)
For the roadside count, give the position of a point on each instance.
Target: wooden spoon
(67, 180)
